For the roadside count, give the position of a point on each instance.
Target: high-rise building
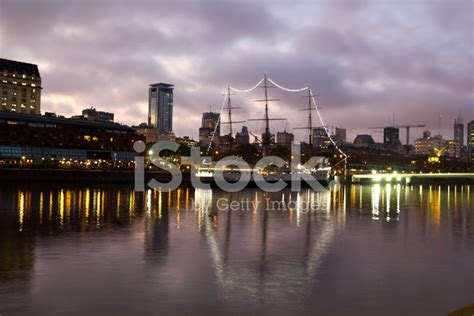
(459, 131)
(470, 141)
(210, 128)
(160, 107)
(391, 135)
(20, 87)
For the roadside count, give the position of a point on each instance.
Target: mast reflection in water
(375, 249)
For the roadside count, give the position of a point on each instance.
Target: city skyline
(350, 68)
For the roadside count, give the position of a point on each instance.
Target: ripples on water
(378, 249)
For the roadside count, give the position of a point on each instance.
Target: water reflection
(273, 249)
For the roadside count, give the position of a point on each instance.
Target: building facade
(20, 87)
(320, 138)
(160, 107)
(92, 114)
(51, 137)
(470, 141)
(391, 135)
(459, 131)
(363, 141)
(340, 135)
(428, 144)
(242, 137)
(210, 128)
(285, 138)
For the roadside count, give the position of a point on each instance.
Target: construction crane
(407, 127)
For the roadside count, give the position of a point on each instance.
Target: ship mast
(266, 138)
(229, 109)
(310, 109)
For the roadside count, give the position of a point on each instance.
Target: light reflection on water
(361, 249)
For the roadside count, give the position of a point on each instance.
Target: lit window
(32, 106)
(14, 82)
(23, 84)
(87, 138)
(95, 139)
(33, 85)
(111, 139)
(23, 106)
(5, 81)
(24, 76)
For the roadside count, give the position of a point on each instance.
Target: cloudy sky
(369, 61)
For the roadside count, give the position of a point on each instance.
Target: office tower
(20, 87)
(459, 131)
(391, 135)
(160, 107)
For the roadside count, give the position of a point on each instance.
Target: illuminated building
(20, 87)
(50, 136)
(160, 107)
(437, 146)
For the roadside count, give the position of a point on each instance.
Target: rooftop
(162, 84)
(19, 67)
(61, 120)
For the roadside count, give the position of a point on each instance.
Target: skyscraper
(459, 131)
(20, 87)
(470, 140)
(160, 107)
